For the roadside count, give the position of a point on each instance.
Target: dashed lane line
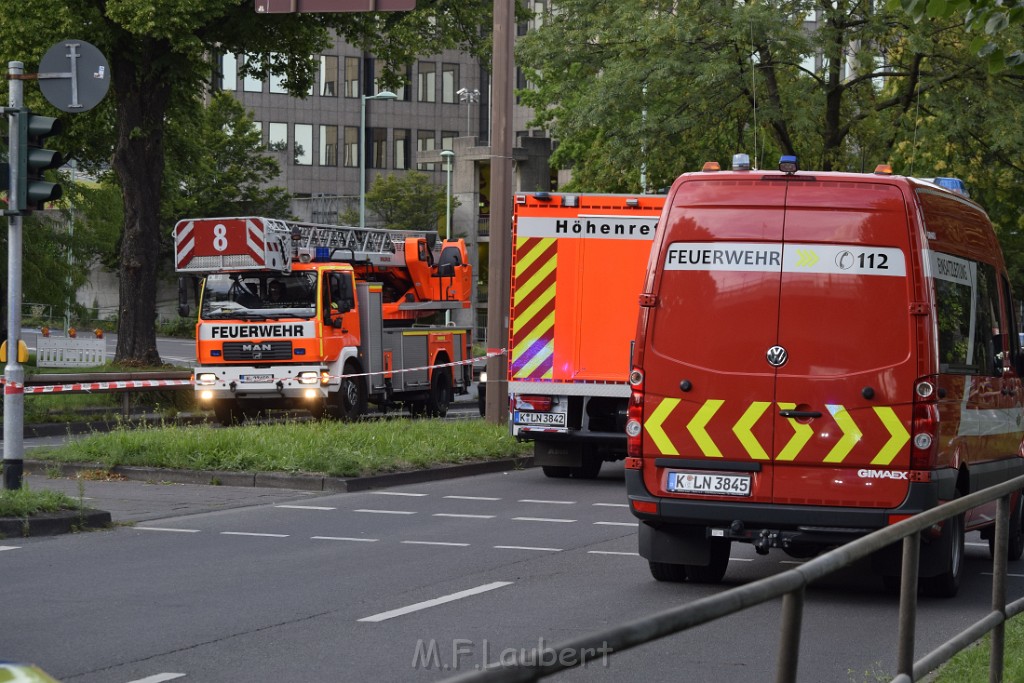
(460, 516)
(158, 678)
(305, 507)
(486, 498)
(611, 505)
(426, 604)
(547, 502)
(616, 523)
(542, 519)
(387, 512)
(455, 545)
(611, 552)
(344, 538)
(161, 528)
(9, 547)
(527, 547)
(398, 493)
(250, 533)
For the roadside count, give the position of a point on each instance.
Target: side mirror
(336, 322)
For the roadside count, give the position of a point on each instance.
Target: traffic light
(33, 188)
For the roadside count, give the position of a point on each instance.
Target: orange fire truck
(321, 317)
(578, 263)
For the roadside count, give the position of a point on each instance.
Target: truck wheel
(352, 401)
(557, 471)
(1015, 543)
(946, 584)
(715, 570)
(227, 412)
(440, 393)
(662, 571)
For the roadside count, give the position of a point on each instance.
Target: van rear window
(967, 303)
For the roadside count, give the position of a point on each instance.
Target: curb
(281, 480)
(54, 523)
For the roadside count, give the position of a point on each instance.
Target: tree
(410, 202)
(985, 19)
(159, 53)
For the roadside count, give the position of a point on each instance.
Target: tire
(227, 412)
(715, 570)
(440, 393)
(590, 468)
(946, 584)
(662, 571)
(351, 400)
(1015, 543)
(557, 471)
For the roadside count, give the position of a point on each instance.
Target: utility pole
(14, 373)
(500, 254)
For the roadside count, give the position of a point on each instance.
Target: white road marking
(305, 507)
(343, 538)
(250, 533)
(388, 512)
(457, 545)
(158, 678)
(526, 547)
(391, 614)
(978, 545)
(611, 552)
(1018, 576)
(160, 528)
(617, 523)
(611, 505)
(741, 559)
(541, 519)
(547, 502)
(452, 514)
(471, 498)
(9, 547)
(792, 561)
(398, 493)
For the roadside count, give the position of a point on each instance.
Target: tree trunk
(139, 164)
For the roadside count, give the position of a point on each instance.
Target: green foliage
(326, 447)
(24, 502)
(404, 202)
(972, 665)
(986, 19)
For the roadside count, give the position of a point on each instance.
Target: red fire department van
(819, 355)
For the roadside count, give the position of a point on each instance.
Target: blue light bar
(952, 184)
(322, 254)
(741, 162)
(788, 163)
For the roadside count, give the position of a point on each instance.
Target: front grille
(258, 351)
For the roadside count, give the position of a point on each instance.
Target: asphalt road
(411, 584)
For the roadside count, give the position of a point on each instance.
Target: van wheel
(714, 570)
(1015, 543)
(946, 584)
(590, 468)
(228, 412)
(351, 401)
(663, 571)
(440, 393)
(557, 471)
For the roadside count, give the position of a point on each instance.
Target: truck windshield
(259, 296)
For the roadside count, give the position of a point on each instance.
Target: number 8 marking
(220, 237)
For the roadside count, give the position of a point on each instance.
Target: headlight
(309, 377)
(483, 376)
(206, 378)
(205, 395)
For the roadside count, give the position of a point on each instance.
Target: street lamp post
(469, 97)
(382, 95)
(448, 155)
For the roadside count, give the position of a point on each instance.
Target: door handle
(799, 413)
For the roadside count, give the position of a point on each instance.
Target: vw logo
(777, 356)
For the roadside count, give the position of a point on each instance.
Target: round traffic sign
(74, 76)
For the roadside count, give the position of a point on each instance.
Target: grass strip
(971, 665)
(24, 502)
(325, 447)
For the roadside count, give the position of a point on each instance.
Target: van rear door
(845, 325)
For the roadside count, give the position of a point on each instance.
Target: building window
(426, 84)
(401, 148)
(351, 77)
(328, 145)
(379, 155)
(403, 90)
(351, 146)
(277, 137)
(449, 82)
(425, 142)
(258, 125)
(328, 76)
(303, 152)
(448, 139)
(229, 71)
(251, 83)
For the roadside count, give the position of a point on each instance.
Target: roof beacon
(788, 163)
(741, 162)
(952, 184)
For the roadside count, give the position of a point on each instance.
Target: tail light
(924, 437)
(541, 404)
(635, 415)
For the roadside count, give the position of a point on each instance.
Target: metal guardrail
(790, 586)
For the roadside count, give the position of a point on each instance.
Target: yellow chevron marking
(742, 429)
(653, 426)
(851, 433)
(543, 327)
(524, 288)
(539, 306)
(699, 422)
(806, 258)
(899, 436)
(801, 435)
